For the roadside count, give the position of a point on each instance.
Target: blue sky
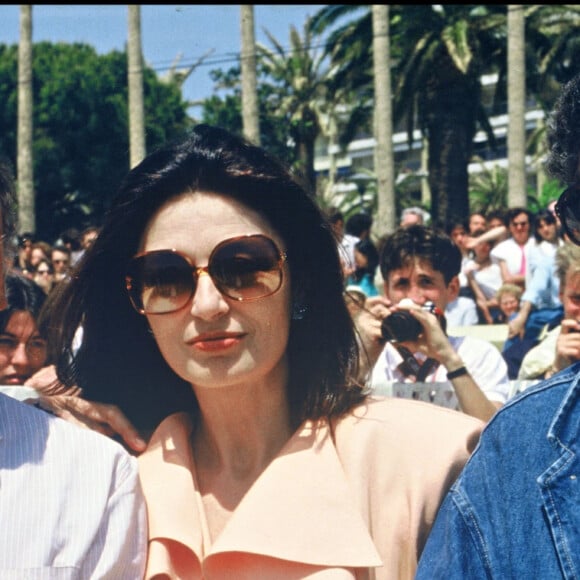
(167, 32)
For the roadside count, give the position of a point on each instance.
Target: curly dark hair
(564, 134)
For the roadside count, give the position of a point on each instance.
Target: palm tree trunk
(450, 100)
(26, 207)
(135, 82)
(250, 114)
(383, 124)
(517, 196)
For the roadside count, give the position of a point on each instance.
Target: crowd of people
(230, 338)
(46, 263)
(508, 273)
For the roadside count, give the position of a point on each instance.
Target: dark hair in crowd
(358, 224)
(563, 134)
(399, 249)
(8, 208)
(21, 294)
(119, 361)
(368, 249)
(513, 212)
(544, 215)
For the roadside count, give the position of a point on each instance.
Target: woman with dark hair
(547, 233)
(214, 294)
(44, 275)
(366, 258)
(23, 349)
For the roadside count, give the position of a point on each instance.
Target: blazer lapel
(300, 509)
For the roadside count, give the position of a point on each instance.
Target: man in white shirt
(345, 242)
(71, 504)
(513, 254)
(420, 264)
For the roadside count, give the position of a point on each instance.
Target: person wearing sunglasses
(44, 275)
(213, 315)
(514, 511)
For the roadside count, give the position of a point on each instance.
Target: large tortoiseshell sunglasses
(242, 268)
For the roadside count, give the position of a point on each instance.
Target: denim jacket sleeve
(456, 548)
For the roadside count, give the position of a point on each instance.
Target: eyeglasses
(35, 346)
(241, 268)
(568, 211)
(43, 272)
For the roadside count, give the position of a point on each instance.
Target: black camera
(402, 326)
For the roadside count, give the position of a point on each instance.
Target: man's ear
(453, 288)
(386, 288)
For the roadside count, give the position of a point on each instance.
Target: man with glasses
(60, 262)
(514, 512)
(512, 254)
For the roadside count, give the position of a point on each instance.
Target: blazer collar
(300, 509)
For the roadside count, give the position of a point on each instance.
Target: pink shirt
(359, 505)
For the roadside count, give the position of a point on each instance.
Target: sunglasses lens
(160, 282)
(568, 210)
(247, 268)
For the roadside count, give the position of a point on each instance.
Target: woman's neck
(241, 428)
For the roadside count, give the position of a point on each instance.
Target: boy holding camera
(420, 266)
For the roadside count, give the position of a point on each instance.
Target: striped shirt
(71, 505)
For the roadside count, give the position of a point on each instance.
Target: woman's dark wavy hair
(119, 361)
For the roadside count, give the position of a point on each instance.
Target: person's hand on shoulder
(101, 417)
(46, 382)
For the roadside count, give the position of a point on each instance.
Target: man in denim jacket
(514, 512)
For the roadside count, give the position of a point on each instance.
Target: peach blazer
(356, 505)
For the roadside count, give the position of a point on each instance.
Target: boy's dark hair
(417, 241)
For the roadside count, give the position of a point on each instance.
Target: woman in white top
(484, 277)
(546, 233)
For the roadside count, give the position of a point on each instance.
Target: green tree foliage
(81, 141)
(226, 112)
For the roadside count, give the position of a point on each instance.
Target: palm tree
(440, 52)
(250, 113)
(26, 205)
(384, 165)
(301, 93)
(516, 106)
(135, 83)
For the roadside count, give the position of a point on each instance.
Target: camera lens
(400, 326)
